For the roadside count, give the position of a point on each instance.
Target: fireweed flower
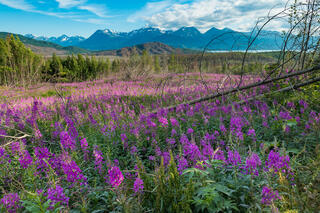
(25, 159)
(3, 133)
(252, 163)
(98, 158)
(72, 171)
(15, 147)
(251, 132)
(304, 106)
(163, 121)
(56, 195)
(219, 155)
(166, 158)
(42, 155)
(171, 141)
(190, 131)
(173, 132)
(115, 176)
(11, 202)
(84, 144)
(277, 163)
(3, 155)
(67, 141)
(174, 122)
(207, 150)
(123, 137)
(268, 196)
(192, 152)
(285, 115)
(37, 133)
(133, 150)
(138, 185)
(182, 164)
(236, 124)
(234, 158)
(290, 105)
(152, 158)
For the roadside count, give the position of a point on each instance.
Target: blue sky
(84, 17)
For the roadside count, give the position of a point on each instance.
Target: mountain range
(185, 37)
(63, 40)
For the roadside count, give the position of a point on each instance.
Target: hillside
(153, 48)
(44, 47)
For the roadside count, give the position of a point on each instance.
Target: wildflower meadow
(117, 146)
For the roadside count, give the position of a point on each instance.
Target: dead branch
(213, 96)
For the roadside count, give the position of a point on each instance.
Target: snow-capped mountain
(62, 40)
(185, 37)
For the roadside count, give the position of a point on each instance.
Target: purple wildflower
(15, 147)
(173, 132)
(277, 162)
(171, 141)
(138, 185)
(98, 158)
(72, 171)
(163, 121)
(133, 150)
(252, 163)
(84, 144)
(285, 115)
(191, 151)
(182, 164)
(223, 129)
(174, 122)
(3, 155)
(166, 158)
(219, 155)
(25, 159)
(37, 133)
(123, 137)
(268, 196)
(251, 132)
(11, 202)
(42, 157)
(234, 158)
(290, 105)
(56, 195)
(152, 158)
(67, 141)
(115, 176)
(190, 131)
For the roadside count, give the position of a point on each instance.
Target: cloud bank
(235, 14)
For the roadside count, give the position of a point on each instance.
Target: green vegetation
(30, 41)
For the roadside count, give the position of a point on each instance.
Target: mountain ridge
(185, 37)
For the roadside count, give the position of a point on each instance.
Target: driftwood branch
(264, 82)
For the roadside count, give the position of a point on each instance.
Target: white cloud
(98, 10)
(92, 21)
(70, 3)
(150, 9)
(236, 14)
(17, 4)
